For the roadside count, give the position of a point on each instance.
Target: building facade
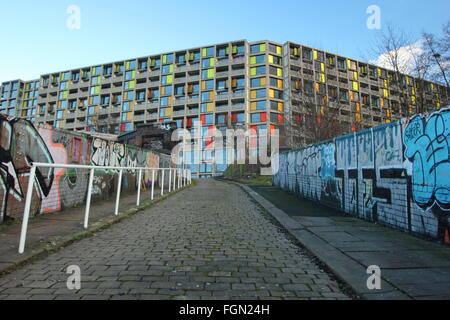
(239, 84)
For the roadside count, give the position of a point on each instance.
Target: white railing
(181, 178)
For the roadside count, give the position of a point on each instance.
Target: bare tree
(391, 47)
(437, 49)
(320, 119)
(420, 67)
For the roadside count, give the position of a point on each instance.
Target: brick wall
(396, 174)
(21, 142)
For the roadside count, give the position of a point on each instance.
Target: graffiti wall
(396, 174)
(21, 143)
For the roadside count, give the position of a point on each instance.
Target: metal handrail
(184, 177)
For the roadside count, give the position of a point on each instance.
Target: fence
(178, 178)
(396, 174)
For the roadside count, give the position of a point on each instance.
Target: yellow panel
(316, 55)
(253, 60)
(253, 71)
(252, 106)
(279, 72)
(262, 81)
(210, 107)
(279, 50)
(280, 83)
(270, 58)
(271, 93)
(322, 67)
(355, 86)
(253, 94)
(280, 106)
(322, 77)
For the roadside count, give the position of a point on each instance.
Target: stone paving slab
(210, 241)
(411, 268)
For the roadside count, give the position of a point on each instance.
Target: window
(258, 59)
(207, 96)
(206, 63)
(222, 51)
(257, 70)
(256, 48)
(258, 105)
(180, 58)
(258, 82)
(307, 54)
(237, 83)
(129, 75)
(142, 64)
(194, 56)
(168, 68)
(155, 62)
(222, 85)
(75, 76)
(208, 52)
(276, 83)
(167, 58)
(276, 71)
(208, 73)
(341, 64)
(274, 59)
(238, 49)
(104, 99)
(166, 90)
(275, 49)
(179, 90)
(167, 79)
(259, 93)
(140, 95)
(208, 85)
(107, 70)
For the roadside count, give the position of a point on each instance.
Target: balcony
(222, 97)
(153, 116)
(139, 117)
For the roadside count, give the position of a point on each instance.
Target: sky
(35, 38)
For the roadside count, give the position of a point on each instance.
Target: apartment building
(239, 84)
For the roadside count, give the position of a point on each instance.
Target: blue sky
(35, 39)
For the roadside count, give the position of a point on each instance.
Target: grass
(258, 180)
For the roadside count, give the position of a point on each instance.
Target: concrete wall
(396, 174)
(21, 142)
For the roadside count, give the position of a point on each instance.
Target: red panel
(280, 118)
(234, 117)
(263, 117)
(202, 118)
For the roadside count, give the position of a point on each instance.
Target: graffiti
(21, 144)
(396, 174)
(427, 147)
(107, 153)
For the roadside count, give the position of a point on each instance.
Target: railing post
(179, 178)
(170, 180)
(119, 187)
(88, 200)
(26, 212)
(162, 182)
(174, 179)
(139, 188)
(153, 183)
